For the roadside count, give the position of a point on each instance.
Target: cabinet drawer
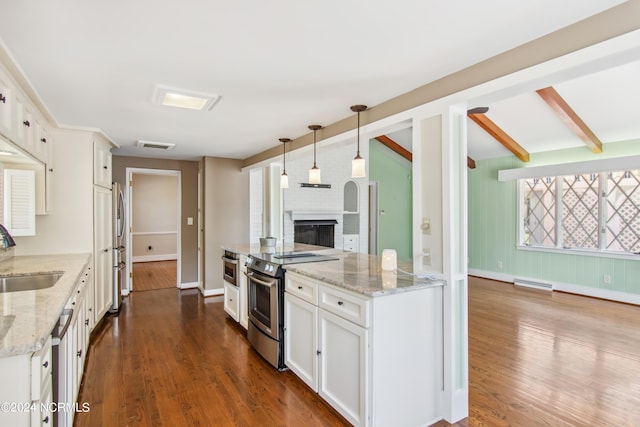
(345, 305)
(302, 287)
(351, 248)
(41, 414)
(41, 370)
(231, 300)
(350, 240)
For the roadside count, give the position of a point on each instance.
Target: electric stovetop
(286, 258)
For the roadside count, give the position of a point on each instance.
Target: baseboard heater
(533, 284)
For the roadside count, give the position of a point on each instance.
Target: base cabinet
(231, 300)
(375, 360)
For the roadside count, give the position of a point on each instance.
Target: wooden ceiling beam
(570, 118)
(501, 136)
(471, 164)
(394, 146)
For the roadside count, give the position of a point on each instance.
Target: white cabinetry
(103, 245)
(350, 242)
(378, 360)
(101, 164)
(6, 105)
(243, 296)
(26, 380)
(231, 300)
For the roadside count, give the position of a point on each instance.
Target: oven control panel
(262, 266)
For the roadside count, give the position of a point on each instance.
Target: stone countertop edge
(35, 313)
(352, 271)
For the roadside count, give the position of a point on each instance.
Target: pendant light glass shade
(358, 169)
(314, 172)
(284, 178)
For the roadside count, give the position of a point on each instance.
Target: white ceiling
(278, 66)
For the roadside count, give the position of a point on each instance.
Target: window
(588, 211)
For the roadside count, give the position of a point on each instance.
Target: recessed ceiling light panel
(180, 98)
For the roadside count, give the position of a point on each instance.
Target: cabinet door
(231, 300)
(103, 256)
(24, 125)
(301, 339)
(343, 366)
(6, 106)
(40, 140)
(102, 164)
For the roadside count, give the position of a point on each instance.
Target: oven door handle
(230, 260)
(250, 276)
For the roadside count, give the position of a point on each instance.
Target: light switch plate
(189, 221)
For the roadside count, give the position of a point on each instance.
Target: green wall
(393, 174)
(493, 228)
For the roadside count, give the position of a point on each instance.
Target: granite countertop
(361, 273)
(28, 317)
(356, 272)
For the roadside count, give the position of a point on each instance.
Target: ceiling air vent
(156, 145)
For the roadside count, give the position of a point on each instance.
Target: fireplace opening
(314, 232)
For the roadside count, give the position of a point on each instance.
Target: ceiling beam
(394, 146)
(471, 164)
(501, 136)
(570, 118)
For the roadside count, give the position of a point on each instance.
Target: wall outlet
(426, 257)
(499, 265)
(189, 220)
(606, 279)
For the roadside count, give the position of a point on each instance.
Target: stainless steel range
(265, 284)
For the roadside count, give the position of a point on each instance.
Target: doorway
(154, 234)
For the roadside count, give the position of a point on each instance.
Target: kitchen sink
(28, 282)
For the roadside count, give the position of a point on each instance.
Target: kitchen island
(367, 341)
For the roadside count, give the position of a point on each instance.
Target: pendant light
(357, 164)
(284, 178)
(314, 172)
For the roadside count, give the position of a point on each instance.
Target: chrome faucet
(7, 240)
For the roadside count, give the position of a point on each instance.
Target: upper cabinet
(6, 106)
(101, 163)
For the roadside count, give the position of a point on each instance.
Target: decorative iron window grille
(592, 211)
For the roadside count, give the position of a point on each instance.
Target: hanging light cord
(314, 147)
(284, 158)
(358, 154)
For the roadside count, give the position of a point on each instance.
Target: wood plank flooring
(148, 276)
(535, 359)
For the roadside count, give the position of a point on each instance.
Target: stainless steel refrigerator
(119, 250)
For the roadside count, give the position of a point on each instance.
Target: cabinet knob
(26, 123)
(50, 169)
(300, 287)
(3, 99)
(86, 322)
(79, 354)
(46, 420)
(45, 364)
(105, 167)
(43, 140)
(106, 250)
(73, 303)
(340, 302)
(318, 352)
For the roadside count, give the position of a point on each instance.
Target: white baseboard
(212, 292)
(607, 294)
(502, 277)
(150, 258)
(190, 285)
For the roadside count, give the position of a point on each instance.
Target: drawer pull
(79, 354)
(86, 322)
(46, 420)
(340, 302)
(300, 287)
(43, 140)
(3, 99)
(45, 364)
(318, 352)
(26, 123)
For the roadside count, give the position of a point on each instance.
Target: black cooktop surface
(286, 258)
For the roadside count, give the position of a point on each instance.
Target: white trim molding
(189, 285)
(151, 258)
(212, 292)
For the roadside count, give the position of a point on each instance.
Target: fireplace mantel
(308, 215)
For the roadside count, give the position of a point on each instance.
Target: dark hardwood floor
(148, 276)
(535, 359)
